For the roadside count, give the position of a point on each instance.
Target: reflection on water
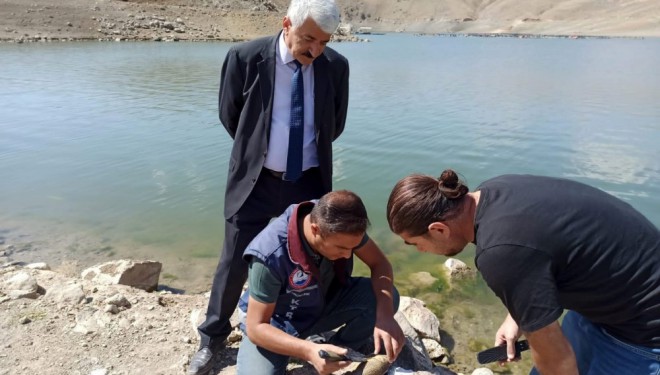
(110, 150)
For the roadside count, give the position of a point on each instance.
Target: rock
(138, 274)
(436, 351)
(196, 318)
(86, 321)
(38, 266)
(118, 300)
(482, 371)
(21, 285)
(235, 335)
(421, 318)
(458, 269)
(66, 294)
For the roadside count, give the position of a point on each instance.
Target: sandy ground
(66, 326)
(155, 335)
(123, 20)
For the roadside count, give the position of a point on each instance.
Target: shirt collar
(297, 252)
(285, 56)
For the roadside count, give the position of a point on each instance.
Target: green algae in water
(476, 345)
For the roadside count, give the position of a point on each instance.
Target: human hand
(388, 331)
(326, 366)
(508, 334)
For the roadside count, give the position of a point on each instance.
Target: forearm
(382, 282)
(275, 340)
(562, 363)
(565, 365)
(551, 351)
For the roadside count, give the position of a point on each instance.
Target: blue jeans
(354, 306)
(598, 353)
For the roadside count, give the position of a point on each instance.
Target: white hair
(323, 12)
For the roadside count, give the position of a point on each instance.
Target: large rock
(421, 318)
(66, 294)
(138, 274)
(21, 285)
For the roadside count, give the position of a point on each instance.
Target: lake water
(111, 150)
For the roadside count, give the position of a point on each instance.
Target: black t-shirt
(547, 244)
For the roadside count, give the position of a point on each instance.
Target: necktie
(296, 130)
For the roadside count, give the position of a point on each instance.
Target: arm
(386, 329)
(262, 334)
(341, 108)
(230, 97)
(552, 353)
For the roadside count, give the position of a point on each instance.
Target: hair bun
(449, 179)
(450, 186)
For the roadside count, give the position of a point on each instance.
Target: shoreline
(341, 39)
(465, 325)
(159, 328)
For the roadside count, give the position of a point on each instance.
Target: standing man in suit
(260, 94)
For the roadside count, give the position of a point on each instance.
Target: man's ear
(286, 22)
(439, 228)
(316, 230)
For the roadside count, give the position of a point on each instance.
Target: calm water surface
(112, 150)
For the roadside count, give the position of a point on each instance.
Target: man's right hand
(326, 366)
(508, 333)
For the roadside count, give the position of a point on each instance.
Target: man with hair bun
(283, 100)
(545, 246)
(300, 284)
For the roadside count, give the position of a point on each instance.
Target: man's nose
(316, 49)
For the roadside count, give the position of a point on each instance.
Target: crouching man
(300, 284)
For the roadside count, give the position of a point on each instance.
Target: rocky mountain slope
(245, 19)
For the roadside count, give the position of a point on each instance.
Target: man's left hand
(388, 332)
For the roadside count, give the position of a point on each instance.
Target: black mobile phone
(498, 353)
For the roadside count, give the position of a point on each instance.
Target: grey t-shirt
(547, 244)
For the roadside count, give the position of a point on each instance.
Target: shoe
(202, 362)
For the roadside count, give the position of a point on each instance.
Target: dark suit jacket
(246, 102)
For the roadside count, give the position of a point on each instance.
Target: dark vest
(300, 302)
